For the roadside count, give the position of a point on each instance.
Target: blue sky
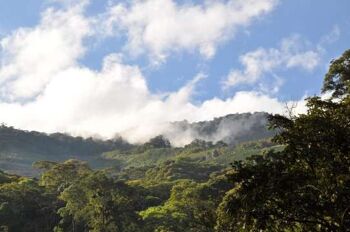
(250, 55)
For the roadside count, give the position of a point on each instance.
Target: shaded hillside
(19, 149)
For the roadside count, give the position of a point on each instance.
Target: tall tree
(97, 203)
(306, 186)
(24, 206)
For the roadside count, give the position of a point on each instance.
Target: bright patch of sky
(111, 67)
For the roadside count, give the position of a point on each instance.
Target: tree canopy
(337, 79)
(306, 186)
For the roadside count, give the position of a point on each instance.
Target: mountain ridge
(20, 148)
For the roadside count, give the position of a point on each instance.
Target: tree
(24, 204)
(306, 186)
(59, 176)
(98, 203)
(158, 142)
(185, 210)
(337, 79)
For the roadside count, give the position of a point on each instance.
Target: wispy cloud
(291, 53)
(330, 38)
(161, 27)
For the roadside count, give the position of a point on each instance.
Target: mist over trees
(19, 149)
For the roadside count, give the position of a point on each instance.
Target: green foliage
(183, 211)
(337, 79)
(6, 178)
(157, 142)
(74, 197)
(181, 169)
(198, 151)
(140, 157)
(190, 206)
(58, 176)
(19, 149)
(99, 203)
(24, 204)
(305, 186)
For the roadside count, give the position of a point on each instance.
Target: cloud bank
(161, 27)
(44, 87)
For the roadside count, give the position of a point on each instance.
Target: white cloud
(159, 27)
(290, 54)
(117, 100)
(43, 86)
(31, 56)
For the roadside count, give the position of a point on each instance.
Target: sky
(108, 67)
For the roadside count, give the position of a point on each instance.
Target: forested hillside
(19, 149)
(299, 181)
